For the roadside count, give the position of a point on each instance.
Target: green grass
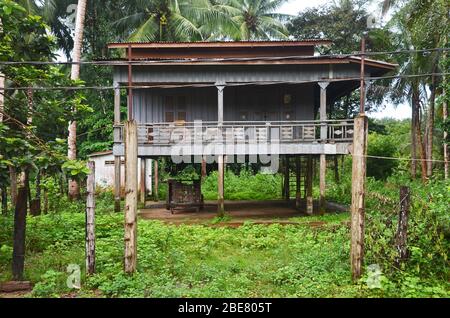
(250, 261)
(197, 261)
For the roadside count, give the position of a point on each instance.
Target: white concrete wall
(104, 173)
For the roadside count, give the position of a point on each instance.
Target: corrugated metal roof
(260, 60)
(101, 153)
(275, 43)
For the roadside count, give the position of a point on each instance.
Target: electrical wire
(230, 59)
(230, 84)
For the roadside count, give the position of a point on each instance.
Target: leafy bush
(49, 285)
(381, 146)
(245, 186)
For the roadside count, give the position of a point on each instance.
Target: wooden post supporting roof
(117, 159)
(323, 137)
(90, 220)
(131, 176)
(220, 90)
(358, 195)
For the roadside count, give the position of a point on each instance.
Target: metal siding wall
(201, 103)
(212, 74)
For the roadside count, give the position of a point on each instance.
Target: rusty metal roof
(216, 44)
(289, 60)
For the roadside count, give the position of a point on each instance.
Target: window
(169, 117)
(181, 116)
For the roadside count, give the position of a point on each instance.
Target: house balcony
(240, 138)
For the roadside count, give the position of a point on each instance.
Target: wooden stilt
(358, 195)
(131, 163)
(90, 220)
(155, 180)
(309, 186)
(298, 182)
(322, 174)
(220, 186)
(143, 188)
(117, 182)
(287, 190)
(204, 172)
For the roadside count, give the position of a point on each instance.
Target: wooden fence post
(402, 230)
(358, 195)
(90, 220)
(131, 162)
(20, 217)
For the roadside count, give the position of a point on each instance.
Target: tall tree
(169, 20)
(255, 20)
(74, 190)
(421, 24)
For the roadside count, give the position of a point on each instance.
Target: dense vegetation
(250, 261)
(201, 260)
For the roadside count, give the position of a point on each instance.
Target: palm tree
(53, 12)
(169, 20)
(255, 20)
(200, 20)
(74, 190)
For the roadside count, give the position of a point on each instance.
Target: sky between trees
(402, 111)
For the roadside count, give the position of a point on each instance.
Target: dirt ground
(238, 212)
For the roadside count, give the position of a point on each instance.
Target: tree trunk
(336, 169)
(422, 150)
(90, 220)
(445, 116)
(20, 216)
(30, 95)
(402, 230)
(2, 96)
(35, 204)
(74, 189)
(430, 124)
(13, 183)
(45, 201)
(414, 107)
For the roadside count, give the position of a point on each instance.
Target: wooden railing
(166, 134)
